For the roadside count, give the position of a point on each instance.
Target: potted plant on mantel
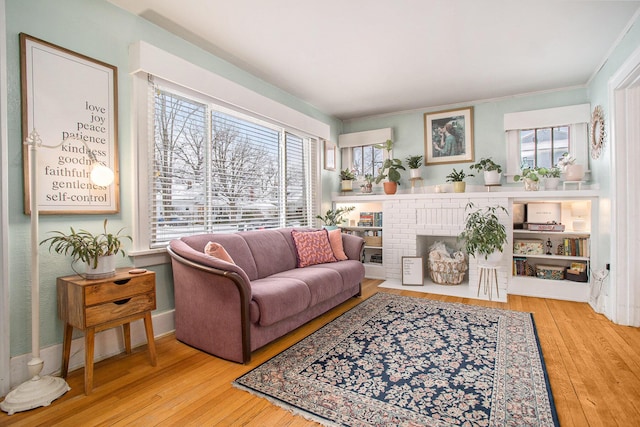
(414, 163)
(484, 236)
(491, 171)
(530, 177)
(551, 177)
(389, 169)
(333, 217)
(98, 251)
(457, 178)
(347, 178)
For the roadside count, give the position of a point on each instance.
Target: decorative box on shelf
(373, 241)
(528, 246)
(545, 227)
(551, 272)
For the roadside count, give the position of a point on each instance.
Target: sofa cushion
(312, 247)
(270, 251)
(216, 250)
(277, 298)
(322, 283)
(235, 246)
(335, 239)
(351, 271)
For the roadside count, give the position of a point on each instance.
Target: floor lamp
(42, 390)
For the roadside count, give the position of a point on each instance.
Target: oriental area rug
(402, 361)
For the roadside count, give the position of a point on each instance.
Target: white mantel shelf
(503, 192)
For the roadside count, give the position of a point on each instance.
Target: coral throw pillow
(217, 251)
(335, 238)
(312, 247)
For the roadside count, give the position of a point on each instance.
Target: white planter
(492, 177)
(415, 173)
(492, 259)
(573, 173)
(347, 185)
(106, 268)
(531, 185)
(551, 183)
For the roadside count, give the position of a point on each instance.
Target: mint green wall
(602, 167)
(489, 137)
(102, 31)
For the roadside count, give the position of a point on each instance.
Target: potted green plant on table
(492, 172)
(457, 178)
(389, 169)
(551, 177)
(414, 163)
(530, 177)
(333, 217)
(97, 251)
(347, 176)
(484, 236)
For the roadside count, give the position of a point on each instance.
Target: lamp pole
(41, 390)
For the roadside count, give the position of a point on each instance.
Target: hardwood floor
(593, 367)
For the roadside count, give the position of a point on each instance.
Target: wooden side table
(96, 305)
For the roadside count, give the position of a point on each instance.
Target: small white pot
(106, 268)
(531, 185)
(492, 177)
(574, 173)
(415, 173)
(347, 185)
(551, 183)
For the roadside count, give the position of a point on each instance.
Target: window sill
(149, 257)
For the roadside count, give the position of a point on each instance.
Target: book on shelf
(578, 246)
(370, 219)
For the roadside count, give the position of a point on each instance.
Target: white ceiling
(356, 58)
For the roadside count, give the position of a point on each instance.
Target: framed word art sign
(70, 101)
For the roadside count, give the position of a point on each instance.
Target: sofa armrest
(209, 291)
(353, 246)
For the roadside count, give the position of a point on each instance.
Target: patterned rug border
(383, 298)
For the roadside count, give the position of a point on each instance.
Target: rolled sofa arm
(212, 303)
(353, 246)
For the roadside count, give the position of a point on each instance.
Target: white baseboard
(107, 343)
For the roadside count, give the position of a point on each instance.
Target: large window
(366, 160)
(543, 147)
(219, 170)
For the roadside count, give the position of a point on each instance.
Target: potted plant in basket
(333, 217)
(491, 171)
(97, 251)
(457, 179)
(484, 236)
(530, 177)
(414, 163)
(347, 178)
(389, 169)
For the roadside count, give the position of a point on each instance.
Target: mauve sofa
(230, 310)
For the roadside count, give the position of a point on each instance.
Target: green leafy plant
(553, 172)
(369, 178)
(458, 176)
(414, 162)
(86, 246)
(335, 216)
(486, 165)
(527, 173)
(483, 233)
(347, 175)
(390, 166)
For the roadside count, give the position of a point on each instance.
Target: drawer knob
(122, 282)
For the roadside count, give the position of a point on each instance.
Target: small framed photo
(448, 136)
(412, 270)
(329, 155)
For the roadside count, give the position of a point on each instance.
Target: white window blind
(217, 170)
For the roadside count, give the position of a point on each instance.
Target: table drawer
(108, 311)
(118, 289)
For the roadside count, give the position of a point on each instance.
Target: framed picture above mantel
(448, 136)
(70, 100)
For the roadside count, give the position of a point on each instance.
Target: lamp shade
(101, 175)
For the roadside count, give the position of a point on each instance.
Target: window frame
(148, 60)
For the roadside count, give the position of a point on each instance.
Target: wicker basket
(373, 241)
(447, 271)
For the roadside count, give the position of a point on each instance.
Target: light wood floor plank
(593, 367)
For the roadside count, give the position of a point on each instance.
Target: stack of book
(370, 219)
